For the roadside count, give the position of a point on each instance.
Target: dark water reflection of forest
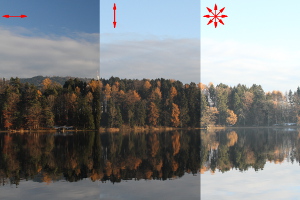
(108, 157)
(243, 149)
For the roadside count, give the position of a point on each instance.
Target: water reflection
(109, 157)
(243, 149)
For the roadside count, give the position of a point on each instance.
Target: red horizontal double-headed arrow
(8, 16)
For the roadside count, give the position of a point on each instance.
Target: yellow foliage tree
(46, 83)
(89, 97)
(232, 118)
(156, 93)
(147, 85)
(39, 93)
(202, 86)
(175, 115)
(107, 91)
(95, 85)
(173, 92)
(132, 97)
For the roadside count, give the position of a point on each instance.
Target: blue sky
(153, 39)
(59, 38)
(159, 18)
(52, 17)
(259, 43)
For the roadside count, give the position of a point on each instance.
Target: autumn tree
(46, 83)
(231, 117)
(173, 92)
(175, 115)
(10, 110)
(153, 114)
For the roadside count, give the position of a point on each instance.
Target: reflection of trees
(107, 157)
(155, 156)
(247, 148)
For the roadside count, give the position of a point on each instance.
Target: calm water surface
(250, 164)
(108, 166)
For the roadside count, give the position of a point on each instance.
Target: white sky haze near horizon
(259, 44)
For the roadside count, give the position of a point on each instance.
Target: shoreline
(104, 129)
(241, 127)
(141, 129)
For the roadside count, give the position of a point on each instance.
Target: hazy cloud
(27, 56)
(231, 63)
(152, 58)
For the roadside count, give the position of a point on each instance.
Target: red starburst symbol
(215, 16)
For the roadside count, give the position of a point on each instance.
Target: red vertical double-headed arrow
(115, 8)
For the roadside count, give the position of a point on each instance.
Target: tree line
(248, 106)
(159, 102)
(106, 102)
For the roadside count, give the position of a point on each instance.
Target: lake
(90, 165)
(257, 163)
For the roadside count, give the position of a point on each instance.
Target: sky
(57, 38)
(153, 39)
(259, 44)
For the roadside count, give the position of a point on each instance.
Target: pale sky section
(259, 44)
(153, 39)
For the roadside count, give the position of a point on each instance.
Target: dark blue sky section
(57, 17)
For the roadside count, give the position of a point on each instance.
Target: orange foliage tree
(175, 115)
(232, 118)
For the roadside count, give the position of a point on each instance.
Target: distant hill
(37, 80)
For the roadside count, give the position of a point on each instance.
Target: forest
(112, 102)
(222, 105)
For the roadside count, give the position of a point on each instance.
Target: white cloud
(27, 56)
(231, 63)
(177, 59)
